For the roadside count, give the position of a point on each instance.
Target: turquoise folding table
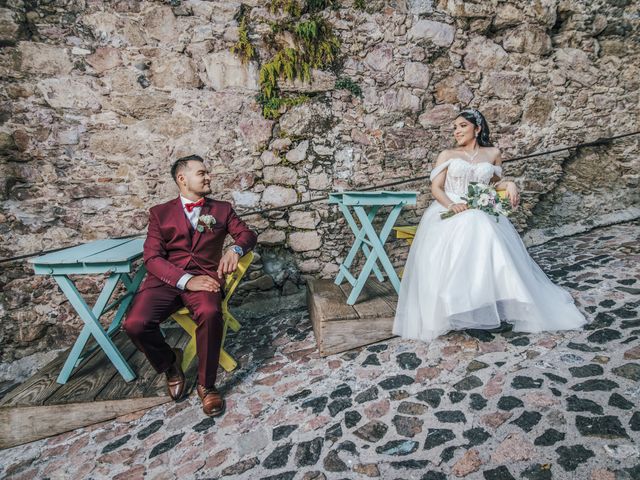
(366, 238)
(112, 257)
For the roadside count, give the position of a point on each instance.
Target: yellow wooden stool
(183, 317)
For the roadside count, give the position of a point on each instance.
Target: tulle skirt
(469, 271)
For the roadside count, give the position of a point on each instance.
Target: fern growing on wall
(315, 46)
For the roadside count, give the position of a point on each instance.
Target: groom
(184, 257)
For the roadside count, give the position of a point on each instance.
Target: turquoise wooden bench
(114, 258)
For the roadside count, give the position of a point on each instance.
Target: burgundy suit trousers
(152, 306)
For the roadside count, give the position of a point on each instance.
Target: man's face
(195, 179)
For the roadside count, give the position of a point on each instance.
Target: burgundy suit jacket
(173, 248)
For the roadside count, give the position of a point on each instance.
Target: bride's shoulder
(445, 155)
(493, 153)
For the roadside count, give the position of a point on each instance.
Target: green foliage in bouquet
(484, 198)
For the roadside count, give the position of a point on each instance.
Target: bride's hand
(458, 207)
(512, 194)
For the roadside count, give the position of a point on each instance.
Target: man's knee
(134, 326)
(208, 312)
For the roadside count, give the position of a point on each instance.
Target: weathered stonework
(99, 98)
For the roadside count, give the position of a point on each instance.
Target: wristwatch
(238, 250)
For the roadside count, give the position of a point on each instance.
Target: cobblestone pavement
(486, 406)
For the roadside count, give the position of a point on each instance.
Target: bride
(469, 271)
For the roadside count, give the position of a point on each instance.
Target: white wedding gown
(469, 271)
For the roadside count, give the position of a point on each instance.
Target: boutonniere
(205, 221)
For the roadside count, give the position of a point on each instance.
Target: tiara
(476, 115)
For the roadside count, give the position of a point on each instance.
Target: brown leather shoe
(175, 377)
(212, 402)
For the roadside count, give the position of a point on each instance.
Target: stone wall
(98, 98)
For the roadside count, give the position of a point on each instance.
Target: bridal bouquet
(485, 198)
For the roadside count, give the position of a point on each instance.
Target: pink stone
(377, 409)
(368, 469)
(514, 448)
(316, 422)
(427, 373)
(494, 385)
(450, 350)
(255, 406)
(274, 367)
(217, 458)
(134, 473)
(334, 364)
(633, 353)
(494, 420)
(118, 457)
(602, 474)
(490, 347)
(186, 470)
(270, 380)
(469, 463)
(539, 399)
(547, 343)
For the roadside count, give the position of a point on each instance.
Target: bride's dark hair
(475, 117)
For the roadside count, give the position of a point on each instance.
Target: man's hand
(202, 283)
(228, 263)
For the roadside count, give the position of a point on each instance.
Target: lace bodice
(460, 173)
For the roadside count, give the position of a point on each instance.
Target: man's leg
(206, 308)
(150, 308)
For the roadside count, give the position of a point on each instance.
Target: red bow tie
(191, 206)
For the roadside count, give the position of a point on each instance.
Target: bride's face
(464, 131)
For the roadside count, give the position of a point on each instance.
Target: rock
(308, 453)
(396, 382)
(537, 109)
(575, 404)
(380, 57)
(333, 463)
(368, 395)
(505, 85)
(595, 385)
(307, 118)
(438, 33)
(282, 432)
(481, 54)
(537, 472)
(438, 116)
(432, 396)
(299, 153)
(632, 353)
(110, 447)
(469, 463)
(338, 405)
(456, 397)
(520, 382)
(352, 418)
(166, 445)
(494, 420)
(275, 195)
(634, 423)
(174, 71)
(272, 237)
(549, 437)
(398, 447)
(417, 74)
(499, 473)
(572, 457)
(607, 426)
(508, 16)
(476, 365)
(407, 426)
(604, 335)
(372, 432)
(586, 371)
(319, 181)
(321, 81)
(408, 361)
(305, 220)
(150, 429)
(437, 437)
(67, 93)
(304, 241)
(509, 403)
(453, 89)
(617, 400)
(527, 420)
(44, 59)
(317, 404)
(514, 448)
(104, 59)
(241, 467)
(527, 39)
(468, 383)
(226, 71)
(451, 416)
(411, 408)
(478, 402)
(628, 370)
(278, 458)
(369, 469)
(281, 175)
(476, 436)
(8, 27)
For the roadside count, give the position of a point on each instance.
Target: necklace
(475, 153)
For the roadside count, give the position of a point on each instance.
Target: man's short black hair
(181, 163)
